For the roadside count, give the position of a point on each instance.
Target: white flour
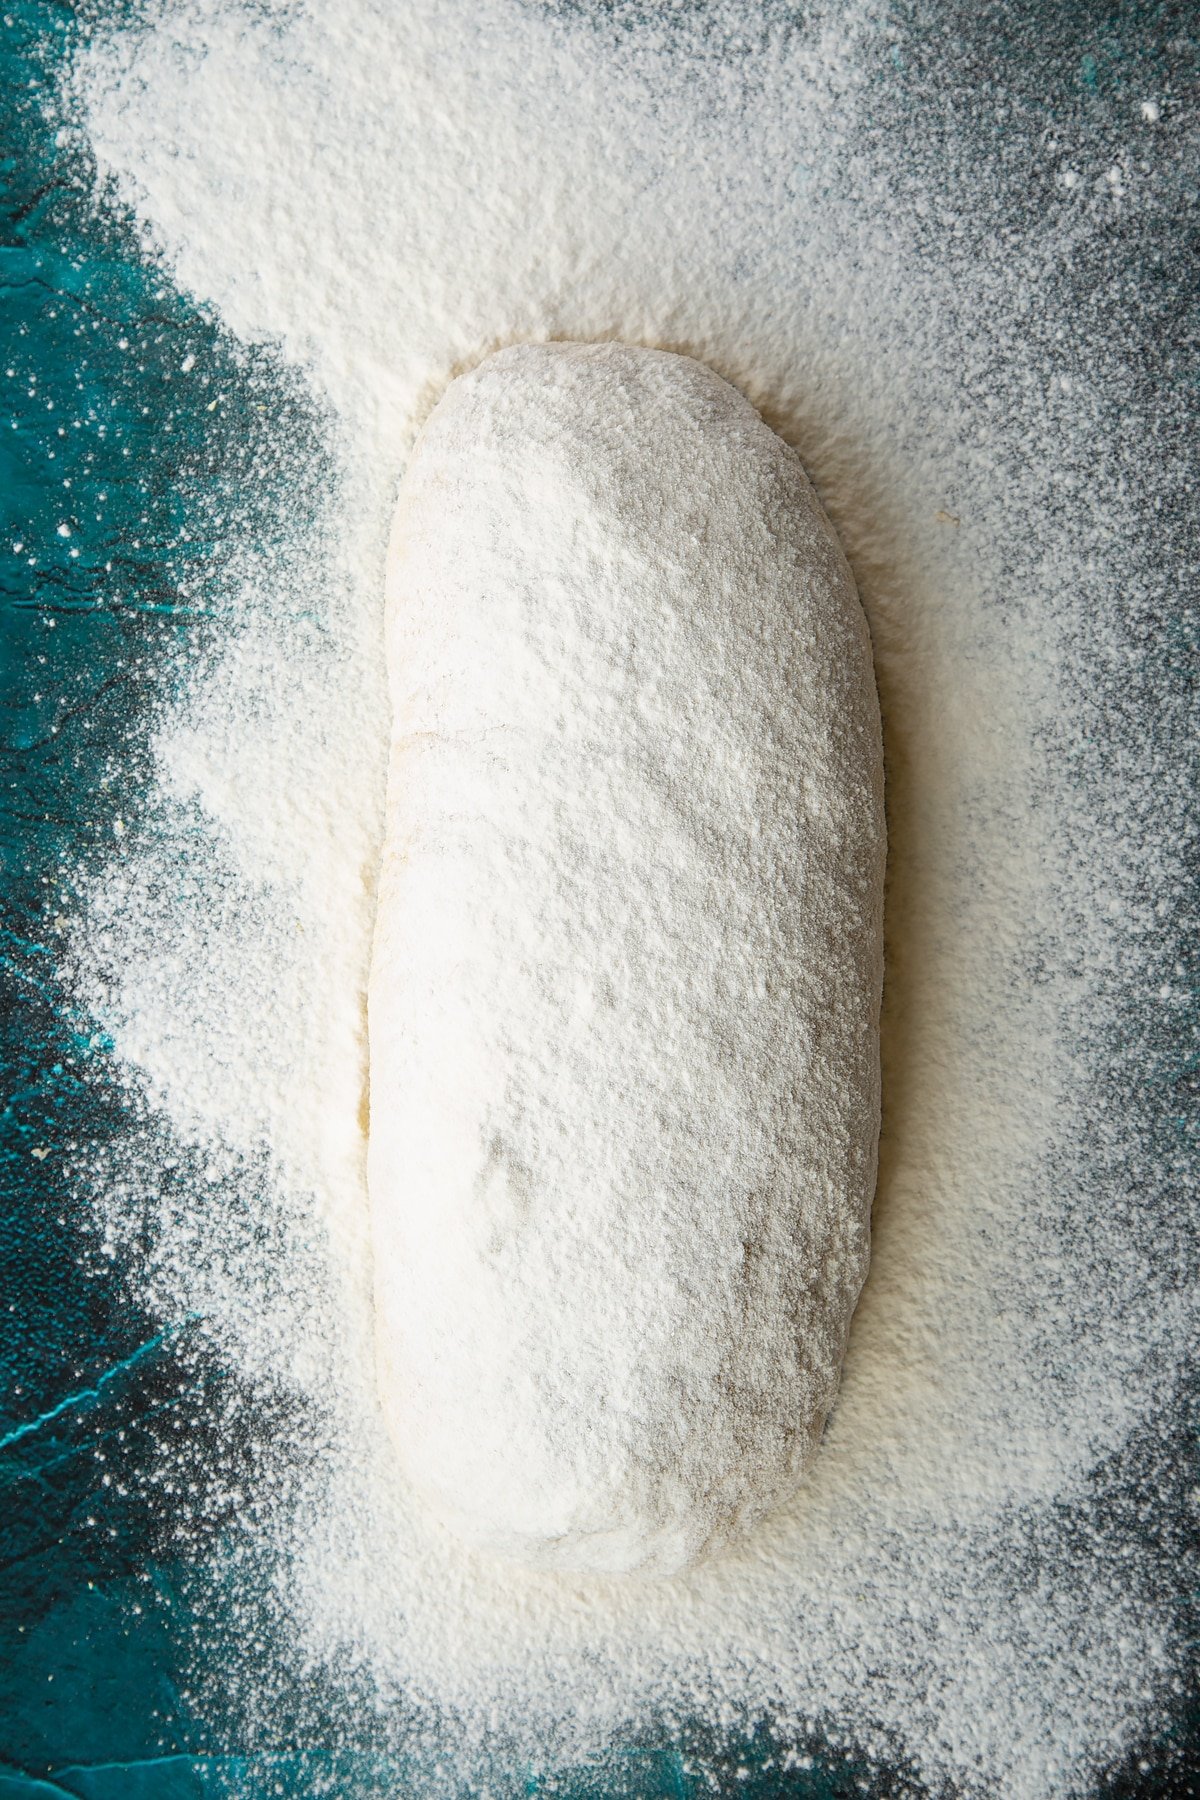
(624, 998)
(389, 192)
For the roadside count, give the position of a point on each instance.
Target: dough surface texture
(625, 988)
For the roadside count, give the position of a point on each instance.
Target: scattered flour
(624, 1000)
(389, 192)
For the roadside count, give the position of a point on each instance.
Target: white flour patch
(388, 193)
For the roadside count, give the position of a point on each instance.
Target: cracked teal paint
(91, 1396)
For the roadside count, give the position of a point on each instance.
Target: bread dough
(625, 990)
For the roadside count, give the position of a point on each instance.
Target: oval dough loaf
(625, 991)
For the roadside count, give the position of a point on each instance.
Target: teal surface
(110, 480)
(115, 470)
